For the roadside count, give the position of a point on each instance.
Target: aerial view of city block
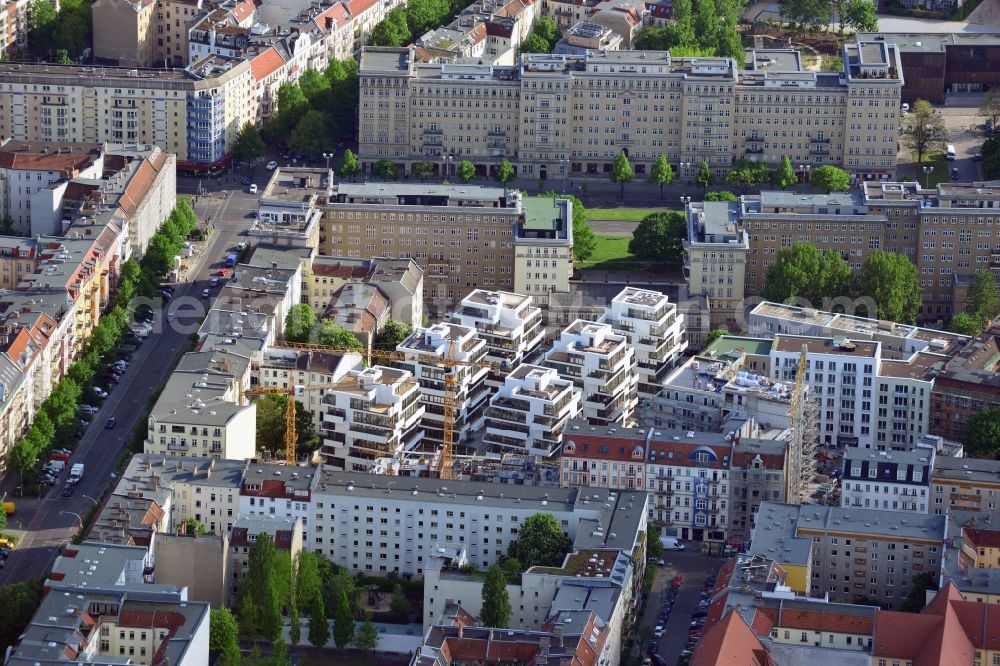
(500, 332)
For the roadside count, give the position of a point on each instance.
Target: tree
(661, 173)
(223, 636)
(400, 606)
(990, 108)
(665, 38)
(349, 166)
(917, 599)
(540, 542)
(248, 146)
(806, 12)
(924, 130)
(466, 171)
(385, 170)
(534, 43)
(704, 22)
(704, 178)
(294, 626)
(41, 22)
(279, 654)
(292, 105)
(965, 324)
(193, 526)
(505, 172)
(423, 170)
(654, 547)
(784, 175)
(659, 237)
(299, 323)
(18, 602)
(729, 44)
(804, 271)
(721, 195)
(392, 334)
(3, 521)
(622, 172)
(546, 28)
(366, 639)
(335, 335)
(860, 15)
(830, 178)
(62, 57)
(259, 611)
(715, 334)
(747, 174)
(311, 135)
(584, 240)
(496, 610)
(392, 30)
(24, 456)
(343, 623)
(892, 281)
(319, 628)
(982, 434)
(7, 225)
(982, 300)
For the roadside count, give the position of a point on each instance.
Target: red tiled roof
(266, 63)
(761, 624)
(68, 160)
(730, 641)
(335, 16)
(932, 637)
(841, 623)
(359, 7)
(243, 10)
(982, 538)
(341, 271)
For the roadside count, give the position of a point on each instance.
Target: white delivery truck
(76, 473)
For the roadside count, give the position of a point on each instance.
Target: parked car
(272, 165)
(110, 423)
(99, 392)
(656, 560)
(659, 631)
(214, 282)
(954, 173)
(68, 491)
(253, 188)
(205, 293)
(905, 108)
(247, 180)
(88, 409)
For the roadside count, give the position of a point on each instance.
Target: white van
(950, 152)
(670, 543)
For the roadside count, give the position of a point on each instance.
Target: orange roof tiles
(359, 7)
(333, 17)
(266, 63)
(69, 159)
(842, 623)
(982, 538)
(243, 10)
(730, 641)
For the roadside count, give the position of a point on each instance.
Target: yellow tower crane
(386, 356)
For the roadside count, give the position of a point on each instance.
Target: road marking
(36, 522)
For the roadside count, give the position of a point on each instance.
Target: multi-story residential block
(371, 413)
(286, 533)
(14, 27)
(462, 237)
(715, 255)
(25, 170)
(285, 368)
(469, 392)
(434, 513)
(401, 281)
(759, 473)
(207, 490)
(125, 32)
(971, 559)
(601, 363)
(968, 384)
(202, 411)
(486, 31)
(891, 481)
(689, 109)
(510, 325)
(100, 607)
(529, 412)
(193, 113)
(655, 330)
(897, 341)
(965, 484)
(849, 553)
(174, 18)
(269, 490)
(588, 36)
(686, 474)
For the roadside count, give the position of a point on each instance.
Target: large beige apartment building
(949, 233)
(559, 117)
(463, 237)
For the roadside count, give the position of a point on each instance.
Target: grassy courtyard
(619, 213)
(611, 254)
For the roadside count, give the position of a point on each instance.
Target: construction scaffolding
(802, 445)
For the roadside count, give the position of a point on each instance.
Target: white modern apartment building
(510, 325)
(447, 341)
(601, 363)
(888, 480)
(529, 412)
(379, 525)
(655, 330)
(285, 368)
(865, 401)
(374, 412)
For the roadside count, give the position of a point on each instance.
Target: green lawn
(619, 213)
(612, 254)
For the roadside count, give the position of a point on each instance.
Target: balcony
(819, 139)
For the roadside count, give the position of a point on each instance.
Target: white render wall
(538, 389)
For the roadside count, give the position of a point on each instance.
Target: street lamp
(685, 200)
(684, 166)
(73, 513)
(928, 170)
(562, 169)
(96, 503)
(328, 157)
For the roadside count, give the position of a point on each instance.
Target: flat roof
(814, 345)
(727, 344)
(966, 469)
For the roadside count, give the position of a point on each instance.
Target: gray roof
(392, 190)
(266, 255)
(100, 565)
(296, 479)
(148, 473)
(966, 469)
(773, 535)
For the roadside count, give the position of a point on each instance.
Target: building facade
(891, 481)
